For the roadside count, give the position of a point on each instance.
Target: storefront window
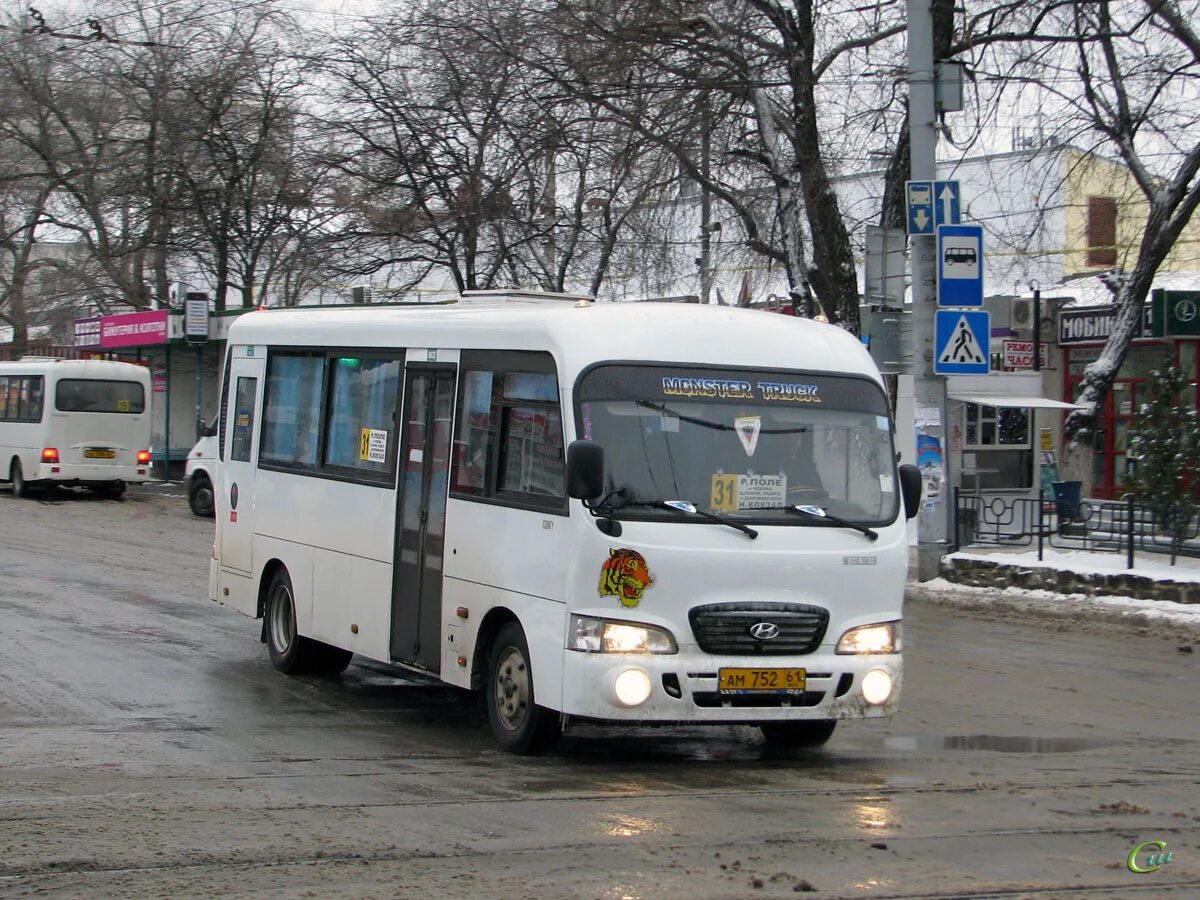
(998, 440)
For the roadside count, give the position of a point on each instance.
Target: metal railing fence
(1112, 526)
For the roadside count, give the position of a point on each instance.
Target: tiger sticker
(625, 576)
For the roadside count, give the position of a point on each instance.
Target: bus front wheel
(799, 734)
(200, 496)
(518, 723)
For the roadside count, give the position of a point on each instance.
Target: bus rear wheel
(291, 652)
(799, 734)
(16, 475)
(518, 723)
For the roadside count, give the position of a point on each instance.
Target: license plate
(94, 453)
(750, 681)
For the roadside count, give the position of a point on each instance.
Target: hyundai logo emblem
(764, 631)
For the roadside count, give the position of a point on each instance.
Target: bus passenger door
(421, 530)
(234, 497)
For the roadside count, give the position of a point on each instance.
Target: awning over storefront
(1007, 401)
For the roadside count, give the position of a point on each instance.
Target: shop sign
(1019, 355)
(1081, 325)
(137, 329)
(86, 334)
(1175, 313)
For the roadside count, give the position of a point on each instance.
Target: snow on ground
(1147, 565)
(1176, 621)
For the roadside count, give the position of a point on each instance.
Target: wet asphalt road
(148, 749)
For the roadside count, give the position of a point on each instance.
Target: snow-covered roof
(1091, 290)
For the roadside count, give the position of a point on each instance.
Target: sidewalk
(1076, 581)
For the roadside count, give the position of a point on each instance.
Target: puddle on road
(932, 743)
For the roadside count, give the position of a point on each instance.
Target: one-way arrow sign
(947, 209)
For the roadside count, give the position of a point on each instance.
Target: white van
(200, 470)
(623, 512)
(74, 422)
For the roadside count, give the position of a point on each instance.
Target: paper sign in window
(373, 446)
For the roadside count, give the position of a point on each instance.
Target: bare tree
(248, 185)
(75, 124)
(1127, 80)
(758, 66)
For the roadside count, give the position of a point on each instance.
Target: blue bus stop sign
(960, 265)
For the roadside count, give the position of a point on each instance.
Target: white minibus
(74, 422)
(588, 511)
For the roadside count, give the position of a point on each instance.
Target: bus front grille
(727, 628)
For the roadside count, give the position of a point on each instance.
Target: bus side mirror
(910, 489)
(585, 470)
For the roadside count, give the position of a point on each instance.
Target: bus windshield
(741, 443)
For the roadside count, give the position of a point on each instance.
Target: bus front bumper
(684, 687)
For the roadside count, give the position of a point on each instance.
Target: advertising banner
(138, 329)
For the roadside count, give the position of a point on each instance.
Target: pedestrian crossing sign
(962, 342)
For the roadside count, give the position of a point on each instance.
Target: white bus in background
(74, 422)
(638, 513)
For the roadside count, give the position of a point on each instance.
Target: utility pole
(706, 225)
(929, 388)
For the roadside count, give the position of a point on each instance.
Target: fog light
(632, 687)
(876, 686)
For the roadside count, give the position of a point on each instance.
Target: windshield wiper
(816, 512)
(610, 502)
(686, 506)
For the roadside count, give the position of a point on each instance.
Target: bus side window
(292, 414)
(475, 436)
(243, 419)
(360, 421)
(3, 397)
(36, 392)
(508, 444)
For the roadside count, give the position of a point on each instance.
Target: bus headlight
(589, 634)
(881, 638)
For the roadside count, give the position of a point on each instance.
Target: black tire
(200, 496)
(799, 734)
(518, 723)
(20, 487)
(330, 660)
(291, 653)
